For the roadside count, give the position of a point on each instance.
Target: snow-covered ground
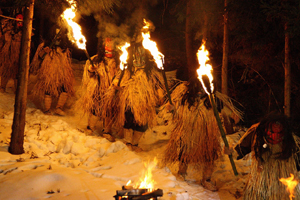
(62, 161)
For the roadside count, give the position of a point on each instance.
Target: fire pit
(137, 194)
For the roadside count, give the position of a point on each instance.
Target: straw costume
(196, 138)
(274, 156)
(10, 46)
(131, 102)
(96, 80)
(55, 78)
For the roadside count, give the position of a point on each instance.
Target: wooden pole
(216, 113)
(18, 126)
(121, 76)
(88, 56)
(166, 85)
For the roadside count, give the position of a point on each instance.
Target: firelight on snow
(75, 34)
(290, 183)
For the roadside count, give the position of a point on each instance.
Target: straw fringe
(55, 74)
(93, 88)
(36, 61)
(229, 104)
(9, 55)
(196, 137)
(137, 93)
(265, 184)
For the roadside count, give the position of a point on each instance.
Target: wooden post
(223, 134)
(167, 87)
(18, 126)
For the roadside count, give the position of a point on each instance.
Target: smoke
(123, 24)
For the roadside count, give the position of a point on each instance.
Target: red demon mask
(19, 23)
(275, 133)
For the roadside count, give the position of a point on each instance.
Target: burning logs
(137, 194)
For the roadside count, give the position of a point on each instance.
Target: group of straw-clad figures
(128, 104)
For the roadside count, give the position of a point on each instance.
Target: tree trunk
(225, 52)
(287, 73)
(190, 54)
(17, 136)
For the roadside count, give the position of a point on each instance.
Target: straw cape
(9, 53)
(196, 138)
(94, 85)
(263, 182)
(54, 73)
(138, 93)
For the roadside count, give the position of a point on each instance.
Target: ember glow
(151, 46)
(75, 34)
(205, 68)
(290, 183)
(147, 181)
(124, 56)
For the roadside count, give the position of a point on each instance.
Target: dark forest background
(256, 40)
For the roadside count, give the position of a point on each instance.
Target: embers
(137, 194)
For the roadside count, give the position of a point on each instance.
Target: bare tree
(17, 136)
(287, 73)
(225, 52)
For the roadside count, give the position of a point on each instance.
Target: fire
(151, 46)
(75, 34)
(291, 183)
(147, 180)
(128, 183)
(124, 56)
(205, 68)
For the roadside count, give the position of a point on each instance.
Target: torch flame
(151, 46)
(291, 183)
(147, 180)
(204, 69)
(124, 56)
(75, 34)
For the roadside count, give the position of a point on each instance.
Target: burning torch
(75, 34)
(290, 183)
(158, 57)
(123, 60)
(205, 77)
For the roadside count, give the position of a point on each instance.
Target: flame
(204, 69)
(75, 34)
(291, 183)
(128, 183)
(147, 180)
(124, 56)
(151, 46)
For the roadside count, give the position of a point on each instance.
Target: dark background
(256, 43)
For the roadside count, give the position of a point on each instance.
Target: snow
(62, 161)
